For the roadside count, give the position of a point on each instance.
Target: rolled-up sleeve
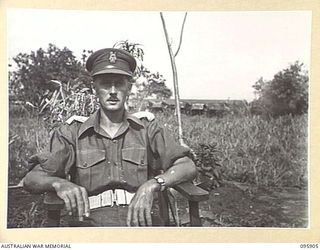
(164, 147)
(59, 157)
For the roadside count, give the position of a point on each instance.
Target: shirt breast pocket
(92, 171)
(135, 165)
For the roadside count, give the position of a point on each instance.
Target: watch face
(160, 180)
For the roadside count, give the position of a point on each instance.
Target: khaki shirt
(139, 151)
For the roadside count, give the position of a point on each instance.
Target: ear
(129, 87)
(93, 82)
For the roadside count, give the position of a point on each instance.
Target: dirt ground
(238, 205)
(232, 205)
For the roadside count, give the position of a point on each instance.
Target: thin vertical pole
(175, 82)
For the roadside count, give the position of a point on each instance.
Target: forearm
(75, 197)
(38, 181)
(182, 170)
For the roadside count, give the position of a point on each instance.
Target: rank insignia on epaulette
(77, 118)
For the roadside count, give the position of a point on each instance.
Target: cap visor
(112, 71)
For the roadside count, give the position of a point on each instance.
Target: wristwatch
(161, 182)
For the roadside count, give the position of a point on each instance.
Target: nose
(113, 89)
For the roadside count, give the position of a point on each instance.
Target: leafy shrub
(286, 93)
(208, 162)
(33, 71)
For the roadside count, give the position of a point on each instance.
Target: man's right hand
(75, 198)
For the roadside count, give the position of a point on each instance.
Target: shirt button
(109, 162)
(114, 141)
(85, 164)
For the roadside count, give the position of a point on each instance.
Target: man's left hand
(139, 213)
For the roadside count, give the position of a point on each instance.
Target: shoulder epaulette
(77, 118)
(144, 114)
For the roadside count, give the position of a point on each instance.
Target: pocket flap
(134, 155)
(89, 158)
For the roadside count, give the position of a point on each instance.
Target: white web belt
(110, 198)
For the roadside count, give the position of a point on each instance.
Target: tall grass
(266, 152)
(27, 136)
(251, 149)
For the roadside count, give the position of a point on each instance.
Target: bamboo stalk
(181, 34)
(175, 82)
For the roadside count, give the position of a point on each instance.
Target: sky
(222, 53)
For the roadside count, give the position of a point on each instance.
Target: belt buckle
(123, 197)
(110, 198)
(119, 197)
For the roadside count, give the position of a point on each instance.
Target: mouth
(113, 101)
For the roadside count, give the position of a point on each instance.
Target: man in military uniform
(118, 162)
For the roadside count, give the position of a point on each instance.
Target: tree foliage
(31, 80)
(286, 93)
(55, 82)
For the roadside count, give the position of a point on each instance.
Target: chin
(114, 108)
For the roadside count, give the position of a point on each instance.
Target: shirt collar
(91, 122)
(94, 120)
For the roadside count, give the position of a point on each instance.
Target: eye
(106, 84)
(121, 84)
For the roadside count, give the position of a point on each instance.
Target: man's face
(112, 91)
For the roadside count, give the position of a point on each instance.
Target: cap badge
(112, 57)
